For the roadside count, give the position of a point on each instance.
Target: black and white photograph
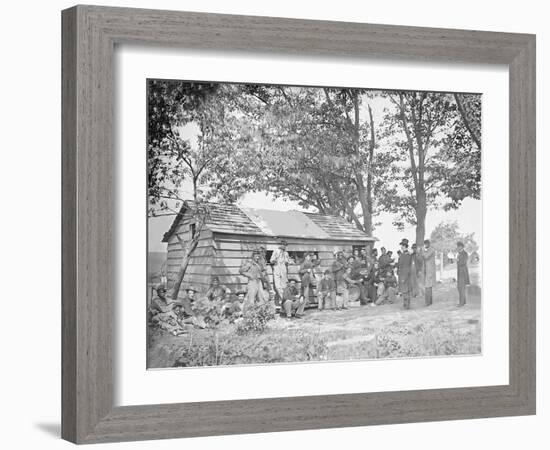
(292, 224)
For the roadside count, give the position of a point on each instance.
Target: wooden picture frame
(89, 37)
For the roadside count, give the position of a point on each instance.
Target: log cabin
(231, 233)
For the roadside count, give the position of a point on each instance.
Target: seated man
(389, 288)
(163, 313)
(293, 302)
(187, 315)
(326, 292)
(233, 309)
(373, 280)
(342, 288)
(217, 292)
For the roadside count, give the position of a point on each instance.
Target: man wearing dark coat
(462, 274)
(404, 273)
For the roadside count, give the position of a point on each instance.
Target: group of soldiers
(376, 278)
(372, 277)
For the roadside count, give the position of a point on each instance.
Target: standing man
(384, 259)
(306, 276)
(428, 258)
(338, 268)
(280, 260)
(263, 262)
(414, 271)
(462, 274)
(254, 272)
(404, 273)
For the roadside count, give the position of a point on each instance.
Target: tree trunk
(421, 210)
(188, 249)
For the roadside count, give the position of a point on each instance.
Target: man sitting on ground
(163, 314)
(187, 315)
(233, 309)
(293, 302)
(217, 292)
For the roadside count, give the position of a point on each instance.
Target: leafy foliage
(320, 147)
(445, 236)
(435, 161)
(256, 317)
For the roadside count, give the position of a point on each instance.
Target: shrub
(256, 317)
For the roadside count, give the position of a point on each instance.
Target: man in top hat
(462, 273)
(280, 260)
(254, 272)
(428, 271)
(217, 292)
(404, 273)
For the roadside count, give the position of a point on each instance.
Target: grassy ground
(362, 332)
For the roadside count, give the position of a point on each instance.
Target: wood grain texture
(89, 36)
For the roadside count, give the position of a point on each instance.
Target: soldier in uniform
(293, 302)
(254, 272)
(389, 288)
(280, 260)
(263, 262)
(326, 292)
(217, 292)
(306, 276)
(404, 273)
(338, 268)
(462, 274)
(384, 259)
(233, 309)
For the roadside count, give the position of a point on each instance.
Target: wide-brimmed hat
(160, 287)
(404, 241)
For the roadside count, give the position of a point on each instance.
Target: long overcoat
(404, 272)
(462, 273)
(428, 255)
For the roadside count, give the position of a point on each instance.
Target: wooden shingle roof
(337, 227)
(232, 219)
